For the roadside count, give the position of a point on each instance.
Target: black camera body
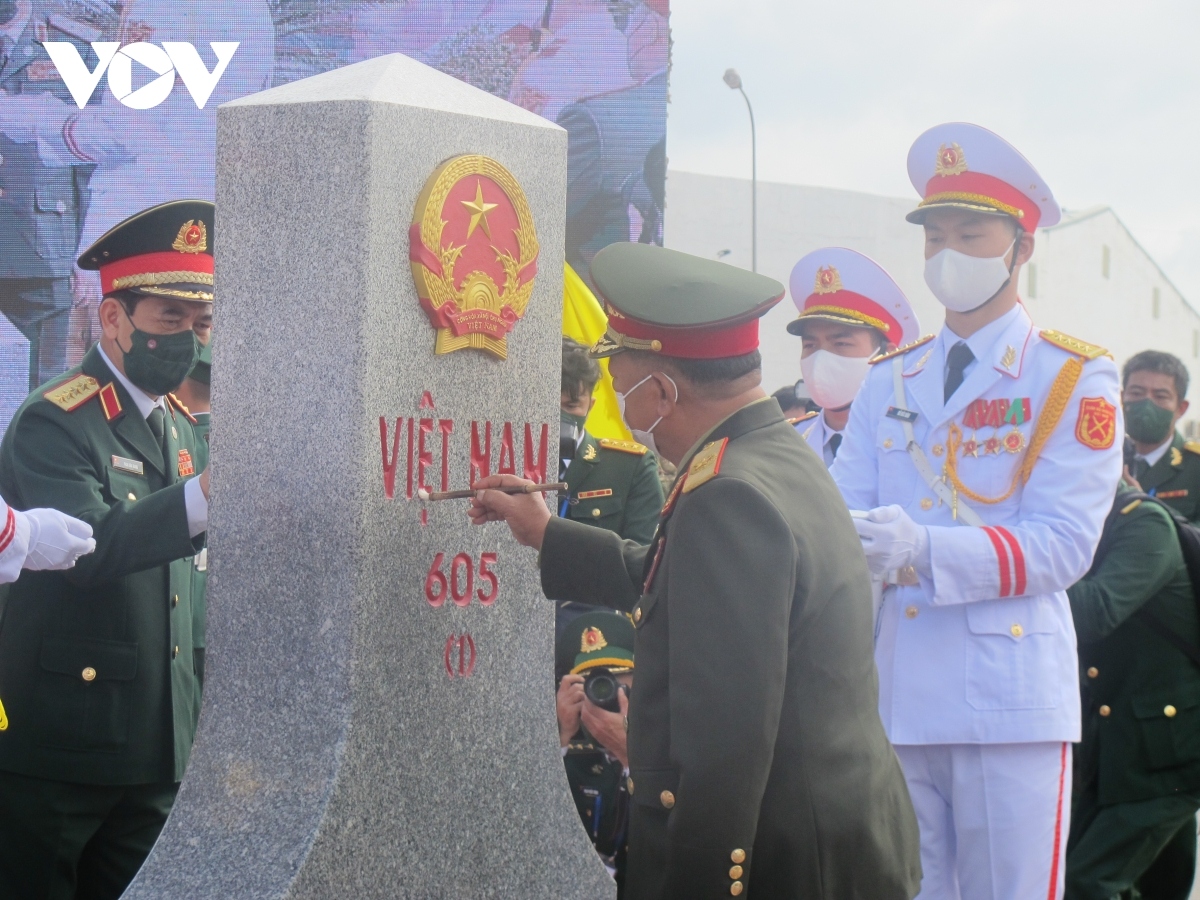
(602, 687)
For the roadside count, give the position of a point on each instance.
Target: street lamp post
(734, 80)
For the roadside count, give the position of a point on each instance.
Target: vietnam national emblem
(473, 251)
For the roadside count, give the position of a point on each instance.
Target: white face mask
(833, 380)
(964, 283)
(644, 437)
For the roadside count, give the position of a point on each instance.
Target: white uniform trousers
(993, 818)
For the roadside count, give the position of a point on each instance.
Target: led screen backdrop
(109, 106)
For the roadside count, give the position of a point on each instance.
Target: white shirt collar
(1158, 452)
(141, 399)
(982, 341)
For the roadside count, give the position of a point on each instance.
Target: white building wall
(707, 214)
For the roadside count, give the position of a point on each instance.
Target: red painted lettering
(436, 585)
(507, 464)
(487, 560)
(426, 401)
(389, 467)
(424, 454)
(412, 423)
(445, 426)
(466, 655)
(462, 561)
(481, 456)
(535, 470)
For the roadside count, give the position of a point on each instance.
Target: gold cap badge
(950, 160)
(828, 281)
(592, 639)
(192, 237)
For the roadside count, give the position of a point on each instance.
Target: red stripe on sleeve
(9, 532)
(1002, 559)
(1058, 823)
(1018, 560)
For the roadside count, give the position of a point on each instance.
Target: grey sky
(1101, 96)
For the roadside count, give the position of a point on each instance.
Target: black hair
(579, 371)
(1160, 362)
(128, 299)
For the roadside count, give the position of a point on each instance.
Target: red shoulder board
(178, 404)
(109, 402)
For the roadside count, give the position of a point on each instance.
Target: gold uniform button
(735, 872)
(88, 674)
(736, 889)
(1093, 672)
(175, 653)
(637, 614)
(938, 449)
(887, 444)
(926, 504)
(911, 612)
(174, 433)
(629, 785)
(738, 856)
(132, 496)
(667, 798)
(1017, 630)
(595, 513)
(1105, 711)
(1169, 711)
(175, 600)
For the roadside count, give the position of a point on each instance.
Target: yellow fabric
(584, 321)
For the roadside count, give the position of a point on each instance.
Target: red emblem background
(1097, 424)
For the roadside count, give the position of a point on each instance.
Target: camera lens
(601, 688)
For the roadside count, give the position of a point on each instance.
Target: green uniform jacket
(756, 750)
(200, 565)
(1141, 695)
(630, 473)
(1175, 479)
(96, 663)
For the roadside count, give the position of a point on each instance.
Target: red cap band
(166, 267)
(986, 190)
(870, 312)
(716, 342)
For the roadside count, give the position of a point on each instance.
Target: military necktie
(957, 360)
(156, 421)
(1140, 467)
(834, 443)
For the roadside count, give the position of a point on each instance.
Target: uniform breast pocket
(1169, 722)
(1013, 657)
(602, 510)
(897, 474)
(83, 692)
(56, 229)
(125, 486)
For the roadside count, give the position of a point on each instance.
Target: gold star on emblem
(479, 211)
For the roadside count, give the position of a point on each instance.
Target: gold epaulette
(624, 446)
(706, 465)
(72, 394)
(1192, 447)
(1074, 345)
(178, 404)
(1126, 510)
(803, 418)
(900, 351)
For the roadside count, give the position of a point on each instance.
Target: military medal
(1014, 441)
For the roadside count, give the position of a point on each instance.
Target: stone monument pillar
(379, 717)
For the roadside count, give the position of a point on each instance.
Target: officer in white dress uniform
(985, 459)
(850, 310)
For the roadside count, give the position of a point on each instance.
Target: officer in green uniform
(1164, 465)
(96, 663)
(758, 761)
(595, 645)
(1137, 770)
(195, 395)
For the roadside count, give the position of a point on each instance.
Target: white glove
(891, 539)
(56, 540)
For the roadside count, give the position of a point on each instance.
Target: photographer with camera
(594, 661)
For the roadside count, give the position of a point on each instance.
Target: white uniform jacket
(984, 650)
(816, 433)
